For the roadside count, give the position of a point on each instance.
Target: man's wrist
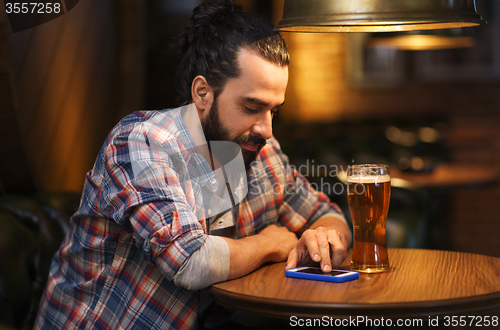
(262, 246)
(247, 254)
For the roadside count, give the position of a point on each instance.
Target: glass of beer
(368, 194)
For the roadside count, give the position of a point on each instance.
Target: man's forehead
(260, 102)
(253, 65)
(259, 82)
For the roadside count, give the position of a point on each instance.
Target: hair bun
(212, 10)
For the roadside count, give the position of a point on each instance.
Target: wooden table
(421, 283)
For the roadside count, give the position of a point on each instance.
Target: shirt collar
(191, 133)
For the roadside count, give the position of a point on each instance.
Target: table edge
(471, 305)
(278, 308)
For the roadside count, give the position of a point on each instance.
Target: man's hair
(210, 44)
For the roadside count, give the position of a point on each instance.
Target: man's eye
(274, 112)
(252, 110)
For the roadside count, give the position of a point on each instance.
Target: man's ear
(202, 93)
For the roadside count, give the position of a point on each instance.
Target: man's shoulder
(158, 124)
(152, 117)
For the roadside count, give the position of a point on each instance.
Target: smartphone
(316, 274)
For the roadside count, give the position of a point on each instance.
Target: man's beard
(214, 130)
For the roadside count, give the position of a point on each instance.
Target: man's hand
(326, 246)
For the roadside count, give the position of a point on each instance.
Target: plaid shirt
(134, 230)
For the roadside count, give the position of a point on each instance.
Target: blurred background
(351, 99)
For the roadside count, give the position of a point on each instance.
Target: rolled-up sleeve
(208, 265)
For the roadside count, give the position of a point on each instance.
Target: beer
(368, 194)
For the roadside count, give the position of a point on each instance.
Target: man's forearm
(221, 258)
(272, 244)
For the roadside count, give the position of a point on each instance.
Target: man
(168, 210)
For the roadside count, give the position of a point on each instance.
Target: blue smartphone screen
(316, 274)
(318, 271)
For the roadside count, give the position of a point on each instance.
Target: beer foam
(369, 178)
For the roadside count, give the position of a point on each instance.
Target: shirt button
(209, 211)
(213, 181)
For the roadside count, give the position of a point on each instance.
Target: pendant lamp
(377, 15)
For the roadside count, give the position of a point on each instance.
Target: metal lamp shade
(377, 15)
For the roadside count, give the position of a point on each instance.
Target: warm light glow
(317, 77)
(428, 134)
(421, 42)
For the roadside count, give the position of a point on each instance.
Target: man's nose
(264, 127)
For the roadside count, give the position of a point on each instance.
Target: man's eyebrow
(259, 102)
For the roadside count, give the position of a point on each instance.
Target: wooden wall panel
(66, 86)
(33, 50)
(15, 171)
(73, 111)
(6, 101)
(3, 45)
